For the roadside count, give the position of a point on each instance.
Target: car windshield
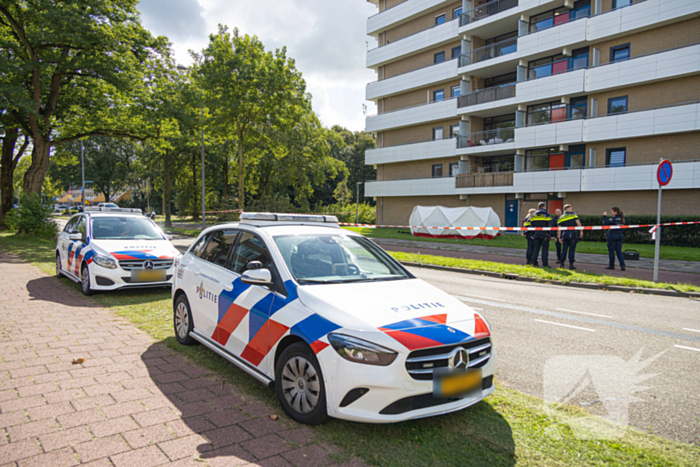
(323, 259)
(124, 228)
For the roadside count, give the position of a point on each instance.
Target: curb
(581, 285)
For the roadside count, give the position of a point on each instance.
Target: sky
(326, 38)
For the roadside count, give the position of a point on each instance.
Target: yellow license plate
(457, 384)
(148, 275)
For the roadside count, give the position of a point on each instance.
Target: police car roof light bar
(105, 209)
(268, 216)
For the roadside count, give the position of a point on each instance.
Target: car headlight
(360, 351)
(105, 262)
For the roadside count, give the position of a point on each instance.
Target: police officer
(528, 235)
(541, 218)
(569, 238)
(557, 240)
(615, 237)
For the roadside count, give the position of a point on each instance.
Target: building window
(547, 66)
(456, 51)
(615, 157)
(621, 3)
(576, 158)
(578, 107)
(500, 80)
(617, 105)
(437, 170)
(579, 59)
(454, 169)
(440, 19)
(439, 57)
(456, 91)
(437, 133)
(619, 53)
(439, 95)
(546, 113)
(498, 164)
(454, 130)
(456, 12)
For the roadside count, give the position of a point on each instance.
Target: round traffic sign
(664, 172)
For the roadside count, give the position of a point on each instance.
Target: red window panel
(556, 161)
(563, 18)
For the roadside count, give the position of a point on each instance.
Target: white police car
(108, 249)
(337, 325)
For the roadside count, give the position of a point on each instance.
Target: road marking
(583, 313)
(688, 329)
(481, 296)
(565, 325)
(687, 348)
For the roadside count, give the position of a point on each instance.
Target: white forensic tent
(440, 216)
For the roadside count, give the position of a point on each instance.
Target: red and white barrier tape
(516, 229)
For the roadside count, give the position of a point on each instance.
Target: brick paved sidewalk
(132, 403)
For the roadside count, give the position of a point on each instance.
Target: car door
(214, 281)
(76, 253)
(190, 267)
(64, 242)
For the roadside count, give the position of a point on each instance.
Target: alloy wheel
(300, 385)
(182, 321)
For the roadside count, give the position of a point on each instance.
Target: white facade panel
(412, 80)
(412, 116)
(411, 152)
(446, 32)
(551, 87)
(401, 13)
(419, 187)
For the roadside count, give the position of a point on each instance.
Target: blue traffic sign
(664, 172)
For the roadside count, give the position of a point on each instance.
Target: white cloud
(325, 37)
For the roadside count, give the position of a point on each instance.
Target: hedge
(681, 235)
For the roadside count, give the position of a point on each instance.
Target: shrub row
(682, 235)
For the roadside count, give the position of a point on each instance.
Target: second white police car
(329, 319)
(112, 248)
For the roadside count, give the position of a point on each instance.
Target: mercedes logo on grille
(459, 358)
(148, 265)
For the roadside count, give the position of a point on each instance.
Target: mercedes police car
(329, 319)
(113, 248)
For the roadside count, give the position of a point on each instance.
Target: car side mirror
(75, 236)
(257, 277)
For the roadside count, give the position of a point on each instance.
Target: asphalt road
(546, 336)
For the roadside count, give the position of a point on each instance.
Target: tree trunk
(34, 177)
(241, 193)
(166, 190)
(225, 175)
(7, 171)
(196, 194)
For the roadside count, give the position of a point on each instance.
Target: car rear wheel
(299, 385)
(182, 320)
(59, 274)
(85, 280)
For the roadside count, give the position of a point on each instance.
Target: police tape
(235, 211)
(521, 229)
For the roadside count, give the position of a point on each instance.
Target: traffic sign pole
(663, 176)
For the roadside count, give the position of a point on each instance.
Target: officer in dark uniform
(557, 240)
(615, 237)
(528, 235)
(541, 218)
(569, 238)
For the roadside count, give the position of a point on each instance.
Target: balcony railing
(481, 54)
(482, 96)
(486, 10)
(484, 180)
(486, 138)
(411, 35)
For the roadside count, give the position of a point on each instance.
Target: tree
(10, 157)
(74, 69)
(249, 90)
(342, 193)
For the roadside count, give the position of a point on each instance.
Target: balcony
(487, 138)
(413, 79)
(483, 96)
(422, 40)
(429, 112)
(484, 180)
(401, 13)
(486, 10)
(421, 150)
(415, 187)
(489, 52)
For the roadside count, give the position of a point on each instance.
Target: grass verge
(519, 242)
(544, 274)
(509, 428)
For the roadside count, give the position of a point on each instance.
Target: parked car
(113, 250)
(329, 319)
(107, 205)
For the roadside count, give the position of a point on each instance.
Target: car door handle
(196, 272)
(228, 287)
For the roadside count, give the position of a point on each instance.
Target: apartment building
(508, 103)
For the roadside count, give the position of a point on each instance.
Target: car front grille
(128, 280)
(421, 363)
(129, 264)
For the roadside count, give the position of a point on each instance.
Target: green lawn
(518, 241)
(507, 429)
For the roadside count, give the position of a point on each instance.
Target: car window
(70, 225)
(198, 248)
(124, 228)
(219, 247)
(80, 227)
(250, 248)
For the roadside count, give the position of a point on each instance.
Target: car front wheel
(299, 385)
(59, 274)
(85, 280)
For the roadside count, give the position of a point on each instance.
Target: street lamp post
(357, 202)
(82, 176)
(201, 91)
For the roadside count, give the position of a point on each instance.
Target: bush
(348, 212)
(681, 235)
(31, 218)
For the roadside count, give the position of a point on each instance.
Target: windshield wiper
(317, 281)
